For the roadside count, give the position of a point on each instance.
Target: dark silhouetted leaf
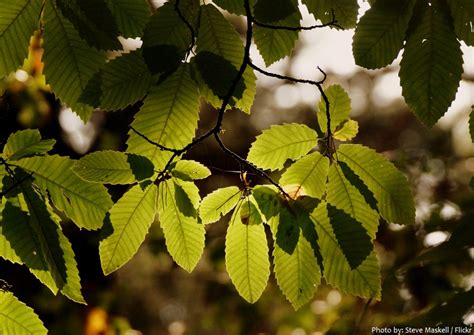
(218, 73)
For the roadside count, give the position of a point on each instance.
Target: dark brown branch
(190, 27)
(156, 144)
(332, 23)
(292, 79)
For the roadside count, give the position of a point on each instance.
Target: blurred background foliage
(427, 268)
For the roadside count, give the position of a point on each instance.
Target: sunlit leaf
(339, 107)
(130, 219)
(190, 170)
(183, 234)
(276, 145)
(247, 252)
(219, 203)
(169, 116)
(346, 197)
(69, 62)
(216, 35)
(298, 274)
(307, 176)
(17, 318)
(24, 143)
(18, 21)
(113, 167)
(84, 203)
(388, 185)
(351, 236)
(348, 131)
(364, 281)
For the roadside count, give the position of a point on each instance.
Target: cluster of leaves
(429, 32)
(325, 229)
(322, 214)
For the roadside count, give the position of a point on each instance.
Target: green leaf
(348, 131)
(219, 203)
(56, 248)
(17, 318)
(271, 11)
(69, 62)
(216, 35)
(18, 21)
(339, 107)
(183, 234)
(232, 6)
(462, 12)
(432, 54)
(190, 196)
(275, 44)
(169, 117)
(130, 219)
(166, 36)
(307, 176)
(343, 195)
(388, 185)
(3, 173)
(276, 145)
(219, 74)
(345, 11)
(268, 201)
(298, 274)
(351, 236)
(94, 22)
(130, 16)
(113, 167)
(380, 33)
(125, 80)
(364, 281)
(246, 252)
(84, 203)
(190, 170)
(19, 242)
(24, 143)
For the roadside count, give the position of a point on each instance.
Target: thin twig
(190, 27)
(12, 175)
(362, 316)
(332, 23)
(156, 144)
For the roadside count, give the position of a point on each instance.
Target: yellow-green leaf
(276, 145)
(130, 219)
